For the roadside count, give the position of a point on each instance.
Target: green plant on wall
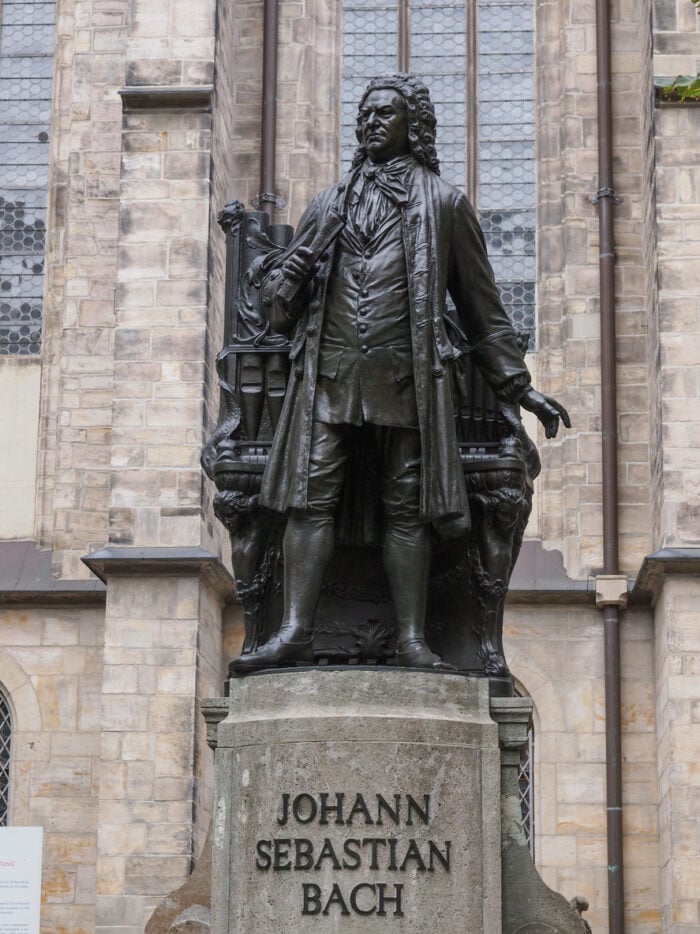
(684, 87)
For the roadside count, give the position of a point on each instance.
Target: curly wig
(420, 113)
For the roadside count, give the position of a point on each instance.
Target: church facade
(126, 127)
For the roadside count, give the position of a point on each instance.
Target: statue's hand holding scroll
(299, 267)
(283, 285)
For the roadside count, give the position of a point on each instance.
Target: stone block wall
(677, 668)
(81, 263)
(677, 458)
(675, 322)
(674, 356)
(160, 334)
(124, 373)
(556, 655)
(162, 651)
(568, 361)
(51, 671)
(308, 149)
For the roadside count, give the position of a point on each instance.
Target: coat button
(311, 331)
(356, 274)
(364, 348)
(363, 329)
(314, 306)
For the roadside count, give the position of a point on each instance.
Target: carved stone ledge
(662, 564)
(194, 561)
(214, 710)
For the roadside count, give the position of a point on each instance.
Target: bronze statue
(379, 364)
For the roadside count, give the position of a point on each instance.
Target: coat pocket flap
(329, 362)
(401, 364)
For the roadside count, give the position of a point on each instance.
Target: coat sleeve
(282, 317)
(482, 317)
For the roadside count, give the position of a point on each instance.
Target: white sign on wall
(20, 879)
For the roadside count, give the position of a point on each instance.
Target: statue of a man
(372, 352)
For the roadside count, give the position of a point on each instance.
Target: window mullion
(403, 51)
(471, 94)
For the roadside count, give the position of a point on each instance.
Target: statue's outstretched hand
(548, 410)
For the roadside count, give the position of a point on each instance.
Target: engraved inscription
(396, 852)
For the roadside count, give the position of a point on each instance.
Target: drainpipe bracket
(611, 590)
(606, 193)
(268, 197)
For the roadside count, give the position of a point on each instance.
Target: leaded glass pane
(26, 68)
(438, 56)
(507, 151)
(5, 741)
(369, 48)
(438, 42)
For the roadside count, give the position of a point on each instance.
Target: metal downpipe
(267, 197)
(606, 200)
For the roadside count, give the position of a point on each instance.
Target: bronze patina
(399, 432)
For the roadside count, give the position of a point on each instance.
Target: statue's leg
(307, 547)
(407, 545)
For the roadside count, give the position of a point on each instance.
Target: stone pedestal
(529, 906)
(357, 800)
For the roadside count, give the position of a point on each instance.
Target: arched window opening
(5, 743)
(526, 783)
(526, 791)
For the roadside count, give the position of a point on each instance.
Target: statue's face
(384, 125)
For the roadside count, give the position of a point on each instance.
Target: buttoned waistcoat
(365, 368)
(444, 251)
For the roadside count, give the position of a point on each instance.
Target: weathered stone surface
(187, 910)
(293, 742)
(529, 906)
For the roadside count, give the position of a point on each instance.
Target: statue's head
(420, 117)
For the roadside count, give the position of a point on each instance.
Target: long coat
(445, 252)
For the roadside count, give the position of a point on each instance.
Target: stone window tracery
(5, 744)
(526, 790)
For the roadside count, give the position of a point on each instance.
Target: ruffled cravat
(390, 178)
(379, 189)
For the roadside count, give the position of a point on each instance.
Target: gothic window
(5, 741)
(526, 791)
(477, 58)
(526, 783)
(26, 69)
